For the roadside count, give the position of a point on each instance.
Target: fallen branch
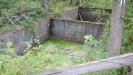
(3, 60)
(10, 20)
(21, 16)
(80, 16)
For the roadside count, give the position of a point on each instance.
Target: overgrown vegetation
(127, 44)
(106, 72)
(97, 50)
(105, 4)
(51, 55)
(16, 14)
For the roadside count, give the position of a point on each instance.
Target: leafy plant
(10, 51)
(90, 41)
(51, 55)
(96, 49)
(58, 9)
(106, 4)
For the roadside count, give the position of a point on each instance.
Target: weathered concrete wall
(19, 38)
(73, 30)
(43, 25)
(71, 13)
(67, 29)
(88, 14)
(43, 29)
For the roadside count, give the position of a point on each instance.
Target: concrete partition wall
(73, 30)
(43, 29)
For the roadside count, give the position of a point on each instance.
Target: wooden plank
(72, 20)
(113, 62)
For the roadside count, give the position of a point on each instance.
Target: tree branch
(10, 20)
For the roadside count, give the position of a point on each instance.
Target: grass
(51, 55)
(61, 44)
(106, 72)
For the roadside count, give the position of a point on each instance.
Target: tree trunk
(117, 25)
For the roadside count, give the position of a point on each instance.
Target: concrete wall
(64, 28)
(19, 38)
(73, 30)
(43, 29)
(71, 13)
(88, 15)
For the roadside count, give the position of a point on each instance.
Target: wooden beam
(72, 20)
(109, 63)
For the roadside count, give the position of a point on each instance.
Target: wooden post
(132, 70)
(116, 26)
